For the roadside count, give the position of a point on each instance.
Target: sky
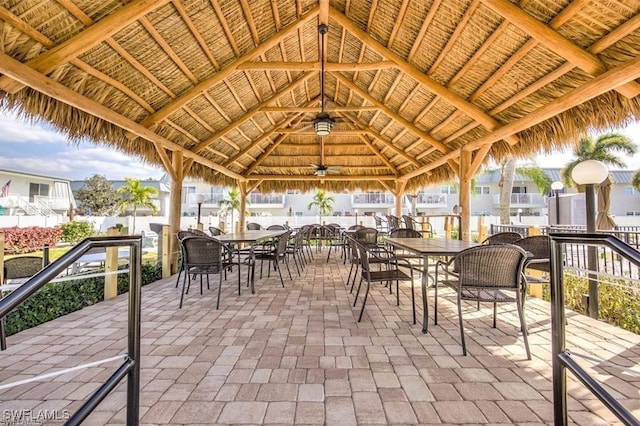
(50, 153)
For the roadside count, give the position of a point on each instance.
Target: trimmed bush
(57, 299)
(76, 231)
(26, 240)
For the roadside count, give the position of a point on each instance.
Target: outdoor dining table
(429, 247)
(252, 238)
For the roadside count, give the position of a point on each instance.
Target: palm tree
(136, 195)
(231, 204)
(323, 202)
(601, 149)
(635, 180)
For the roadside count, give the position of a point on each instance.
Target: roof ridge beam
(555, 42)
(432, 85)
(85, 40)
(43, 84)
(314, 65)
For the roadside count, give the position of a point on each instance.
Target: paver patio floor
(297, 355)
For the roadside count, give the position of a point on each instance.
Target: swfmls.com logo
(33, 417)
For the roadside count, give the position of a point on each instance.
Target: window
(449, 190)
(483, 190)
(38, 189)
(186, 191)
(629, 190)
(519, 190)
(293, 191)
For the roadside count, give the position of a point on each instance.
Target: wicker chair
(502, 238)
(539, 253)
(275, 251)
(203, 256)
(252, 226)
(215, 231)
(394, 222)
(486, 273)
(381, 225)
(367, 253)
(276, 228)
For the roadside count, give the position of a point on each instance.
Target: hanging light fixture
(323, 122)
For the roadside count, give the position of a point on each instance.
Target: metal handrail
(560, 356)
(131, 366)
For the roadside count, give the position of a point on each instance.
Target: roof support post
(465, 194)
(399, 193)
(242, 186)
(175, 206)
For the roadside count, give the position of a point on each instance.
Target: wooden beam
(323, 14)
(465, 195)
(186, 166)
(311, 132)
(29, 77)
(386, 186)
(319, 178)
(555, 42)
(223, 74)
(478, 158)
(85, 40)
(382, 139)
(318, 109)
(393, 115)
(378, 154)
(166, 161)
(266, 153)
(314, 66)
(610, 80)
(432, 85)
(249, 114)
(399, 193)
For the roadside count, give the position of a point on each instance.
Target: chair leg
(355, 299)
(523, 326)
(275, 263)
(286, 263)
(184, 284)
(220, 287)
(364, 302)
(464, 345)
(349, 276)
(495, 312)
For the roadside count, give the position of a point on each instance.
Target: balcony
(210, 200)
(372, 199)
(266, 201)
(431, 201)
(530, 200)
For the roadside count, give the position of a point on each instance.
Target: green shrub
(76, 231)
(57, 299)
(26, 240)
(618, 303)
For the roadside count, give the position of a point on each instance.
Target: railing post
(166, 252)
(482, 229)
(111, 265)
(558, 337)
(135, 293)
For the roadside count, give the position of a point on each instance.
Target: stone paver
(297, 355)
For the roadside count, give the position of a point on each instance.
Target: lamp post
(519, 215)
(557, 186)
(591, 173)
(199, 200)
(356, 212)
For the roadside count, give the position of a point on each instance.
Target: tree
(602, 149)
(323, 202)
(508, 171)
(635, 180)
(136, 195)
(97, 197)
(231, 204)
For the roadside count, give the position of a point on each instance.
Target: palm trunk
(506, 186)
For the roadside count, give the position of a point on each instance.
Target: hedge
(57, 299)
(26, 240)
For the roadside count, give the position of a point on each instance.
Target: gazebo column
(399, 193)
(465, 194)
(175, 205)
(242, 186)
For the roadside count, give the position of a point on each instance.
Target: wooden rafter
(314, 65)
(85, 40)
(32, 78)
(284, 177)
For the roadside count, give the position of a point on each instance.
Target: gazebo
(377, 94)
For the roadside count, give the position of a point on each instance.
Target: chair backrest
(394, 222)
(276, 227)
(409, 222)
(405, 233)
(252, 226)
(538, 248)
(367, 236)
(215, 231)
(22, 267)
(491, 266)
(201, 251)
(352, 227)
(502, 238)
(281, 244)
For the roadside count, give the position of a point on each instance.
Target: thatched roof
(226, 90)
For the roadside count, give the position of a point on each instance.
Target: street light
(591, 173)
(199, 200)
(557, 186)
(520, 215)
(356, 212)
